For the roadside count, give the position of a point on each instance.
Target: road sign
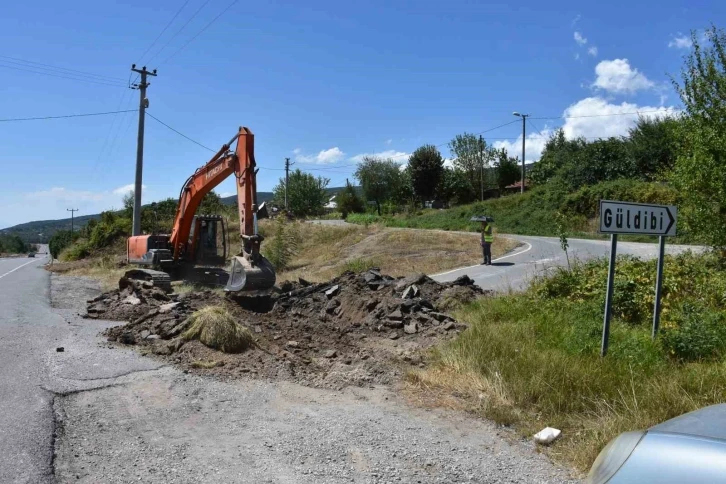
(637, 218)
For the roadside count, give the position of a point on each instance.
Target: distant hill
(29, 231)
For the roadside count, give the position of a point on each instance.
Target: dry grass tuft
(217, 328)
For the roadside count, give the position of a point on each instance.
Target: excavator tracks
(160, 279)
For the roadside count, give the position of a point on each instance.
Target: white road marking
(19, 267)
(500, 258)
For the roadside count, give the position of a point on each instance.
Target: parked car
(31, 254)
(684, 450)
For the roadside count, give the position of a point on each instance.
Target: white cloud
(580, 39)
(127, 188)
(227, 194)
(618, 77)
(534, 144)
(592, 51)
(325, 157)
(389, 141)
(595, 117)
(575, 20)
(397, 156)
(680, 41)
(592, 117)
(577, 56)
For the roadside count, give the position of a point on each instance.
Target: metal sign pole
(658, 286)
(609, 296)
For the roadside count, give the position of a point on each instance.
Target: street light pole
(524, 131)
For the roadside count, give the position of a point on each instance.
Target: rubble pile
(353, 329)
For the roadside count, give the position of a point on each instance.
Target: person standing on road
(487, 237)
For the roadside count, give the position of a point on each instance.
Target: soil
(357, 329)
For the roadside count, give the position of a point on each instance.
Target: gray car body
(687, 449)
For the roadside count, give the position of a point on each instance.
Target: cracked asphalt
(32, 372)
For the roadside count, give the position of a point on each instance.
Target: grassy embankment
(324, 252)
(536, 211)
(532, 360)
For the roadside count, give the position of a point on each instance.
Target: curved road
(536, 255)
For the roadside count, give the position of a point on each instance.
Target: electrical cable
(93, 81)
(179, 133)
(665, 110)
(200, 32)
(22, 62)
(64, 116)
(178, 32)
(164, 30)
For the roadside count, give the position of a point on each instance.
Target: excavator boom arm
(224, 163)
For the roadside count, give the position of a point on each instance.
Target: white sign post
(638, 219)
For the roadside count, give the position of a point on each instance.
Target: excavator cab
(208, 241)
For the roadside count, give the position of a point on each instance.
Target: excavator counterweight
(249, 270)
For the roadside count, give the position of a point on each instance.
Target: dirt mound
(354, 329)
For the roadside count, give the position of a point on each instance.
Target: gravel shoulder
(160, 424)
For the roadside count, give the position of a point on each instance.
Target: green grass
(534, 212)
(532, 360)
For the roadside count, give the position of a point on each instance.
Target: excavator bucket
(243, 276)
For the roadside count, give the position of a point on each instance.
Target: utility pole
(481, 166)
(287, 177)
(72, 210)
(524, 130)
(143, 104)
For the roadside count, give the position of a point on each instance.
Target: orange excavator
(193, 235)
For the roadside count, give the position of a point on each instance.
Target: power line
(200, 32)
(64, 116)
(164, 30)
(178, 32)
(22, 62)
(664, 111)
(179, 133)
(93, 81)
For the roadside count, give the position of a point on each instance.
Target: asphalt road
(539, 254)
(32, 372)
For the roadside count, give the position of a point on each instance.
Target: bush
(284, 244)
(12, 244)
(700, 334)
(76, 251)
(586, 200)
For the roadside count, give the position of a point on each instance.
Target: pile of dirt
(355, 329)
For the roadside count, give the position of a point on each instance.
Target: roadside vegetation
(532, 360)
(12, 244)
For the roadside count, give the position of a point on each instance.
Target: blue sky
(319, 82)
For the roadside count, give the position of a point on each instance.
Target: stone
(409, 306)
(371, 276)
(97, 308)
(449, 326)
(176, 330)
(293, 344)
(258, 329)
(127, 338)
(165, 308)
(463, 281)
(332, 305)
(153, 337)
(394, 335)
(144, 334)
(303, 282)
(411, 328)
(393, 324)
(286, 286)
(425, 303)
(132, 300)
(60, 349)
(371, 304)
(411, 280)
(333, 291)
(330, 354)
(439, 316)
(411, 292)
(396, 315)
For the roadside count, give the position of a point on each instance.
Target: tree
(507, 169)
(653, 146)
(700, 168)
(469, 152)
(380, 178)
(349, 201)
(128, 201)
(211, 204)
(454, 187)
(306, 194)
(426, 166)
